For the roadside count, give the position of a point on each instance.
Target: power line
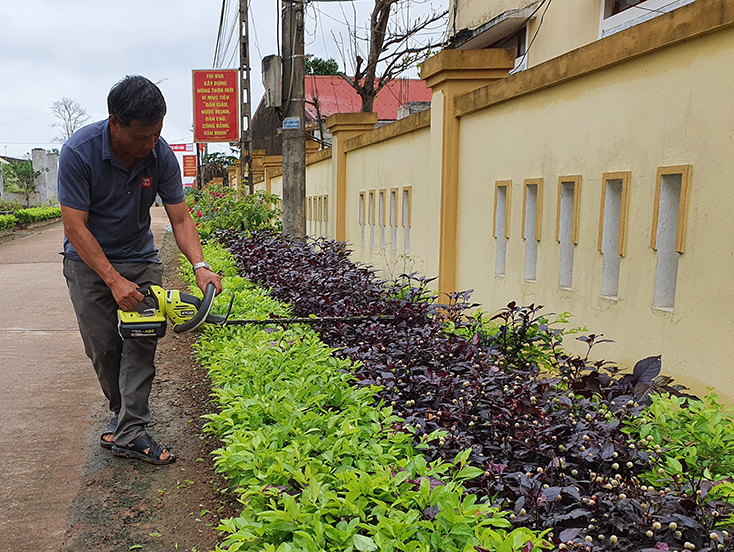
(26, 119)
(540, 24)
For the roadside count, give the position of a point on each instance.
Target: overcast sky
(80, 48)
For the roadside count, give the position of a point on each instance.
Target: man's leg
(96, 314)
(137, 367)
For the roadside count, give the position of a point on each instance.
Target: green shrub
(7, 221)
(220, 208)
(11, 206)
(691, 442)
(36, 214)
(317, 465)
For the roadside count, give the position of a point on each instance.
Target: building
(577, 154)
(327, 95)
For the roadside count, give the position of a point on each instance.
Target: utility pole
(294, 116)
(245, 99)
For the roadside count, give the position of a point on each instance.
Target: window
(326, 215)
(381, 219)
(612, 229)
(407, 215)
(371, 217)
(320, 213)
(567, 224)
(617, 15)
(532, 194)
(668, 231)
(309, 216)
(501, 223)
(518, 42)
(394, 218)
(362, 218)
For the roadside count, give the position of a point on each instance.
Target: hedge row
(26, 216)
(317, 465)
(7, 221)
(37, 214)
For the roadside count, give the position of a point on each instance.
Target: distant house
(327, 95)
(6, 159)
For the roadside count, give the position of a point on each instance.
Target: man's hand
(126, 293)
(204, 276)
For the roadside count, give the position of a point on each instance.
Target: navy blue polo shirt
(118, 202)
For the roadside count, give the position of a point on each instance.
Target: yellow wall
(567, 25)
(403, 161)
(319, 185)
(276, 186)
(671, 107)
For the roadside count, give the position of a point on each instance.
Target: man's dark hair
(135, 98)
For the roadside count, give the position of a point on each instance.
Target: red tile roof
(336, 96)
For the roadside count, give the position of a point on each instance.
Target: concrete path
(48, 392)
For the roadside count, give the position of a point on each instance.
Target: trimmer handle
(201, 313)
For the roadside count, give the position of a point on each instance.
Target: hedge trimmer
(187, 312)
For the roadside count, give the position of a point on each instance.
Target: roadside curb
(26, 229)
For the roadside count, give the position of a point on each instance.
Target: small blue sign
(291, 123)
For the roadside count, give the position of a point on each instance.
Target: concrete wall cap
(350, 121)
(468, 61)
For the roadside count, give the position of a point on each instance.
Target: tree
(71, 115)
(20, 175)
(396, 43)
(318, 66)
(215, 165)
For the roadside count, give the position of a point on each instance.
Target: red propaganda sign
(182, 147)
(216, 101)
(189, 163)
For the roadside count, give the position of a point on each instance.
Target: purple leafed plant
(545, 426)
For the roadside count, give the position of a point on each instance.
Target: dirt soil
(130, 505)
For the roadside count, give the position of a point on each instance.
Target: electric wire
(219, 33)
(254, 31)
(645, 8)
(540, 24)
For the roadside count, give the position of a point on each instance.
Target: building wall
(646, 100)
(398, 165)
(670, 107)
(320, 188)
(473, 13)
(566, 25)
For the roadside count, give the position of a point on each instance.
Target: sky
(81, 48)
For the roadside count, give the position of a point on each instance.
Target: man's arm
(187, 239)
(123, 290)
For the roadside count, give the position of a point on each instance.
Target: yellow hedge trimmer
(187, 312)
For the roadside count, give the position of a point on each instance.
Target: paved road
(48, 393)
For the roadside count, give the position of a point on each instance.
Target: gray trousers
(125, 368)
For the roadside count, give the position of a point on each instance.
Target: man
(109, 175)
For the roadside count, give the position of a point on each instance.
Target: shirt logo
(147, 182)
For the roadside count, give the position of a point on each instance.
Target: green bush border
(317, 465)
(8, 221)
(37, 214)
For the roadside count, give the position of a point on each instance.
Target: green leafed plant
(37, 214)
(7, 221)
(317, 465)
(691, 441)
(221, 208)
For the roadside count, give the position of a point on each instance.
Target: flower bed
(557, 438)
(317, 464)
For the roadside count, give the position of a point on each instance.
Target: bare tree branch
(394, 44)
(71, 115)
